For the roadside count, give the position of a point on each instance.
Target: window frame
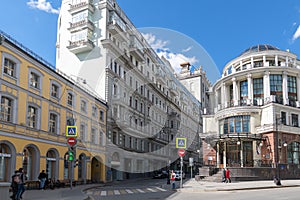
(17, 66)
(57, 125)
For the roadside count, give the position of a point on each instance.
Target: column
(264, 61)
(286, 61)
(224, 155)
(252, 62)
(218, 154)
(241, 64)
(285, 89)
(276, 60)
(224, 96)
(250, 90)
(267, 85)
(241, 154)
(235, 100)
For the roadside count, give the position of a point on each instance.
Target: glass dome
(260, 47)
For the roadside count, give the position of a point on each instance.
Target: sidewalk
(59, 194)
(205, 186)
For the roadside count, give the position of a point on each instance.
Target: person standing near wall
(42, 177)
(173, 175)
(228, 180)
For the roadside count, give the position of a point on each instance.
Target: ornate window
(53, 123)
(236, 124)
(9, 67)
(6, 109)
(32, 117)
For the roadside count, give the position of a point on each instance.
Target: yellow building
(37, 103)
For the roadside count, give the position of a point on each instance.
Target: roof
(259, 48)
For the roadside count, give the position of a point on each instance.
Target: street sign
(72, 141)
(181, 143)
(181, 152)
(71, 131)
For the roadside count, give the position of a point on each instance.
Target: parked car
(160, 174)
(178, 175)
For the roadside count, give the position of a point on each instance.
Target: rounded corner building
(256, 106)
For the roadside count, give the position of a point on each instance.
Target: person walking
(15, 179)
(228, 180)
(42, 177)
(223, 175)
(21, 184)
(173, 175)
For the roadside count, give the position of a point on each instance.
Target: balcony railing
(81, 6)
(81, 25)
(81, 46)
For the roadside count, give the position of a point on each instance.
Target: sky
(215, 31)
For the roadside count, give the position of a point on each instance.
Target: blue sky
(222, 28)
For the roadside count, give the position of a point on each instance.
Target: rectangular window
(82, 132)
(93, 136)
(32, 117)
(283, 118)
(292, 90)
(9, 67)
(54, 91)
(53, 123)
(101, 115)
(295, 120)
(94, 111)
(276, 86)
(6, 109)
(243, 92)
(83, 106)
(34, 80)
(258, 88)
(70, 99)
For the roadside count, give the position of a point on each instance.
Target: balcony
(173, 88)
(160, 76)
(81, 46)
(81, 25)
(136, 48)
(107, 43)
(81, 6)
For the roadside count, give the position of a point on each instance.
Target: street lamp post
(277, 177)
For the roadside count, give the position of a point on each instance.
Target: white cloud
(161, 49)
(187, 49)
(155, 43)
(296, 34)
(42, 5)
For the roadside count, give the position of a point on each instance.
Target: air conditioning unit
(273, 98)
(248, 102)
(298, 104)
(286, 102)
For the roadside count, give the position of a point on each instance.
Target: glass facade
(293, 153)
(236, 124)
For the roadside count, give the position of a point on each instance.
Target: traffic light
(71, 156)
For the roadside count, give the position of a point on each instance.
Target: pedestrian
(172, 178)
(21, 184)
(223, 175)
(15, 179)
(228, 180)
(42, 178)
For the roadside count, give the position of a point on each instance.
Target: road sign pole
(181, 163)
(71, 175)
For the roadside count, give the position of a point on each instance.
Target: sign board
(72, 141)
(181, 152)
(71, 131)
(181, 143)
(191, 162)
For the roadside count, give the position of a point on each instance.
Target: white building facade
(256, 108)
(148, 107)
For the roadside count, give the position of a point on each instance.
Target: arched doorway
(52, 164)
(82, 167)
(96, 170)
(30, 161)
(7, 161)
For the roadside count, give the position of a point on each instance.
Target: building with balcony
(37, 103)
(256, 108)
(148, 107)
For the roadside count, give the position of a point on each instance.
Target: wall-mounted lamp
(238, 142)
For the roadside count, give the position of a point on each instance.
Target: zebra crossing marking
(117, 192)
(103, 193)
(140, 191)
(161, 189)
(151, 190)
(129, 191)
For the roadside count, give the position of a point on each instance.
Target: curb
(233, 189)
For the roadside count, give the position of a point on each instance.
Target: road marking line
(158, 188)
(117, 192)
(129, 191)
(103, 193)
(140, 191)
(89, 192)
(96, 193)
(151, 190)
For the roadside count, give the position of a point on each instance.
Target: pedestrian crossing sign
(71, 131)
(181, 143)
